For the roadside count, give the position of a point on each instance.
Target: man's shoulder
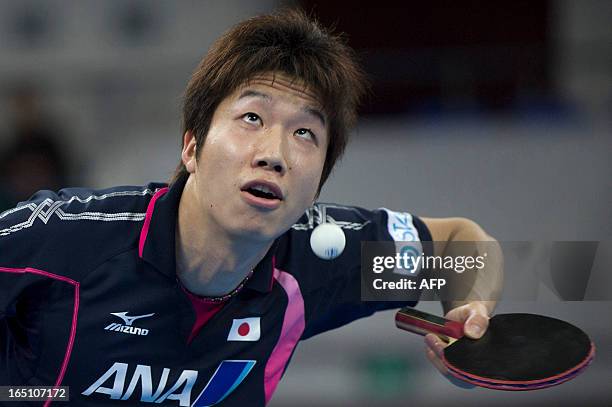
(119, 199)
(296, 255)
(357, 224)
(70, 206)
(74, 224)
(380, 223)
(346, 216)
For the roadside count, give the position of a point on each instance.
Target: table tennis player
(197, 292)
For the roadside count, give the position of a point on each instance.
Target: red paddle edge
(508, 387)
(532, 384)
(452, 329)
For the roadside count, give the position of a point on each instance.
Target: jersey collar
(157, 238)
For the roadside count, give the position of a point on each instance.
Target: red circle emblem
(243, 329)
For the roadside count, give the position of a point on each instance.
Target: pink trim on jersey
(75, 313)
(291, 332)
(145, 228)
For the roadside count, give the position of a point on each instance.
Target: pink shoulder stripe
(75, 313)
(291, 332)
(145, 228)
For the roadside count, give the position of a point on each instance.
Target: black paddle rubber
(521, 350)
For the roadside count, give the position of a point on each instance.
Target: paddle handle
(423, 323)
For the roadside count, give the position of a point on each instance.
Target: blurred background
(497, 111)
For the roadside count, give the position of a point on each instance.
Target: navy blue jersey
(89, 299)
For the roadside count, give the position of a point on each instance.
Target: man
(197, 293)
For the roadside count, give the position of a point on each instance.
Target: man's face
(261, 163)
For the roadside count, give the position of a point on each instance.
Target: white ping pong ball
(327, 241)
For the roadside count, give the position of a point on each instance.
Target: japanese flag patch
(245, 329)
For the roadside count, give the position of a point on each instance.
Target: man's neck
(209, 261)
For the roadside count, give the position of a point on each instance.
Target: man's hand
(475, 317)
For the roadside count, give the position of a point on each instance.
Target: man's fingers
(438, 364)
(436, 361)
(435, 344)
(433, 351)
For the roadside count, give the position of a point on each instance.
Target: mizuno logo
(130, 320)
(127, 327)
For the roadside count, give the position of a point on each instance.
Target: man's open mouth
(262, 193)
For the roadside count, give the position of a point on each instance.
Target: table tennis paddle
(517, 352)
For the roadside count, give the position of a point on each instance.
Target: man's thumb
(476, 325)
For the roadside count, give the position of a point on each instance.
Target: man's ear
(188, 155)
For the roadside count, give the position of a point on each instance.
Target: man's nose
(270, 151)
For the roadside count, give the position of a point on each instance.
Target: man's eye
(305, 133)
(251, 118)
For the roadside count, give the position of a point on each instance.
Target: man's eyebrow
(316, 113)
(308, 110)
